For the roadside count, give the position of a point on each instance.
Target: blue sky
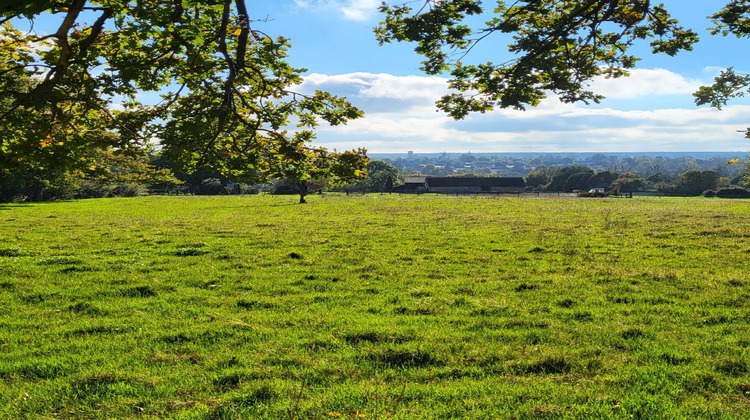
(652, 110)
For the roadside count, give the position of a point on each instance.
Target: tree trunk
(302, 185)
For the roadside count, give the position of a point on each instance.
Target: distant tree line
(487, 164)
(116, 173)
(383, 176)
(580, 178)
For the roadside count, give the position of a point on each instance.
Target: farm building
(415, 179)
(412, 184)
(464, 185)
(461, 185)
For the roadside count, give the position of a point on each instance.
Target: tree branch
(96, 30)
(66, 52)
(244, 32)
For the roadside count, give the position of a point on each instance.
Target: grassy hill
(375, 306)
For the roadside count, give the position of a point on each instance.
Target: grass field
(375, 306)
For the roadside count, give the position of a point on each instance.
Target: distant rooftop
(461, 181)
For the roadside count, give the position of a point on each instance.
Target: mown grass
(375, 306)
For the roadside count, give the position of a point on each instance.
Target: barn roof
(458, 182)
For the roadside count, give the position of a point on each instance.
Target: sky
(651, 111)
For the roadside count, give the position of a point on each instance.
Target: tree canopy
(227, 98)
(556, 46)
(226, 92)
(381, 177)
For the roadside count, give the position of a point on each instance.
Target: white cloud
(401, 116)
(384, 86)
(359, 10)
(713, 70)
(645, 82)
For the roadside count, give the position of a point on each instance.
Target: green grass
(375, 306)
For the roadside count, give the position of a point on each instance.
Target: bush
(629, 182)
(36, 185)
(588, 194)
(95, 189)
(538, 177)
(211, 186)
(286, 189)
(694, 182)
(568, 178)
(129, 190)
(733, 193)
(99, 189)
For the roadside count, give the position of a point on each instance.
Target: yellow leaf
(238, 32)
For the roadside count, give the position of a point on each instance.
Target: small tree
(694, 182)
(539, 177)
(559, 179)
(578, 181)
(629, 182)
(381, 176)
(300, 164)
(602, 179)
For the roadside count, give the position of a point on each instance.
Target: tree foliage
(602, 179)
(381, 177)
(629, 182)
(538, 177)
(116, 167)
(555, 46)
(561, 179)
(226, 91)
(578, 181)
(694, 182)
(111, 173)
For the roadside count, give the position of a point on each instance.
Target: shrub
(210, 186)
(95, 189)
(36, 185)
(629, 182)
(286, 189)
(559, 179)
(694, 182)
(733, 193)
(129, 190)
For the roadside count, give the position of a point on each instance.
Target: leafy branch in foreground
(225, 89)
(733, 19)
(556, 46)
